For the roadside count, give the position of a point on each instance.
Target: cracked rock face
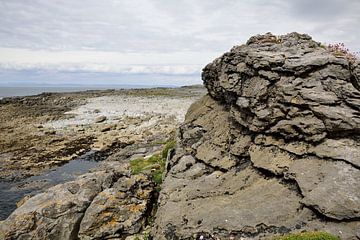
(108, 203)
(273, 148)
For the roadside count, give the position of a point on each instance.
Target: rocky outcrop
(105, 204)
(274, 148)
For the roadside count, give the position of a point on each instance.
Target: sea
(6, 91)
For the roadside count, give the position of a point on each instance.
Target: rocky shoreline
(272, 149)
(43, 131)
(42, 134)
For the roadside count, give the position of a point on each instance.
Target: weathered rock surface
(120, 210)
(274, 147)
(331, 187)
(105, 204)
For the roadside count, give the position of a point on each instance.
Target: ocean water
(6, 91)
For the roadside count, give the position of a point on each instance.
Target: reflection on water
(12, 192)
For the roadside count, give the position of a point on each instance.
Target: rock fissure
(325, 218)
(283, 178)
(253, 231)
(214, 168)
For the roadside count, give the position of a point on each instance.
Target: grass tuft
(169, 145)
(155, 165)
(308, 236)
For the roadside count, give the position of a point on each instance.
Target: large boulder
(273, 148)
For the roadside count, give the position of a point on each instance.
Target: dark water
(12, 192)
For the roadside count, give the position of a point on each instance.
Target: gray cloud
(163, 26)
(325, 10)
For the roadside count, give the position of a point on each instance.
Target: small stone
(105, 129)
(22, 201)
(50, 132)
(243, 102)
(100, 119)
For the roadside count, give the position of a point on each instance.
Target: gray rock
(137, 156)
(274, 147)
(100, 119)
(330, 187)
(340, 149)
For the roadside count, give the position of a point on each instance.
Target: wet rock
(272, 149)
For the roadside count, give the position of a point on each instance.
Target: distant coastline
(20, 91)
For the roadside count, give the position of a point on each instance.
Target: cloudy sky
(150, 41)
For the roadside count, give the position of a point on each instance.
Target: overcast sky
(151, 41)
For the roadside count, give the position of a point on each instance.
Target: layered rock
(274, 148)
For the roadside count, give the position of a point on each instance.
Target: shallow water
(12, 192)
